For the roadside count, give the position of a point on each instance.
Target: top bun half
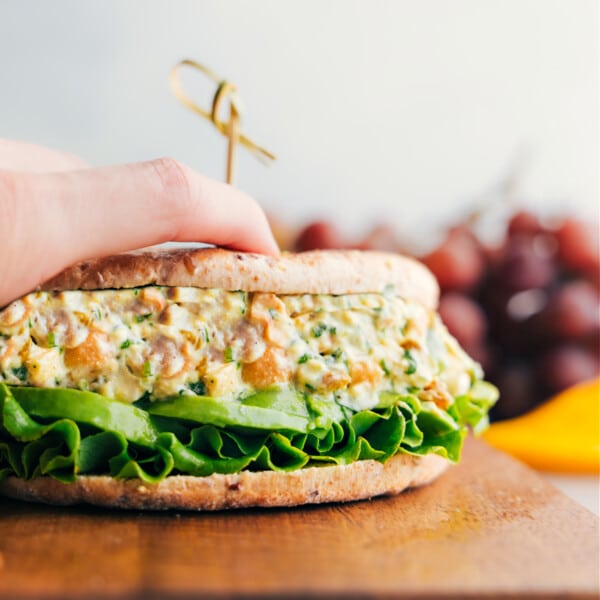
(315, 272)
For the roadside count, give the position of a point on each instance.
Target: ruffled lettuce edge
(63, 433)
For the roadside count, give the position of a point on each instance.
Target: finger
(97, 212)
(120, 208)
(22, 156)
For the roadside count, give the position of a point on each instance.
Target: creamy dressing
(167, 341)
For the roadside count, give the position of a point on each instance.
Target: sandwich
(203, 379)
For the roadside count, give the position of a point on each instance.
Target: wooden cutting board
(489, 526)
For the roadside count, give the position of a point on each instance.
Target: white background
(399, 109)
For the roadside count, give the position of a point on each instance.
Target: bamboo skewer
(230, 129)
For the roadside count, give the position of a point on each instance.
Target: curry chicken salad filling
(161, 342)
(159, 380)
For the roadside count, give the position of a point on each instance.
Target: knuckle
(174, 181)
(8, 184)
(10, 190)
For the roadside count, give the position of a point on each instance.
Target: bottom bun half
(313, 485)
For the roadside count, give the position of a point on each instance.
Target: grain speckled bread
(355, 481)
(315, 272)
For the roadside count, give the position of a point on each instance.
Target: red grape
(578, 245)
(565, 366)
(464, 318)
(574, 310)
(524, 222)
(518, 392)
(381, 237)
(526, 304)
(318, 235)
(515, 325)
(458, 263)
(525, 264)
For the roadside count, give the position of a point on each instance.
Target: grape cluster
(527, 309)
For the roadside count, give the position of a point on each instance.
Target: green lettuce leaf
(90, 409)
(230, 413)
(472, 409)
(64, 432)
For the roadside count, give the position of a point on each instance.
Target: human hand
(54, 212)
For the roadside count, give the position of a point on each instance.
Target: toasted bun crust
(316, 272)
(314, 485)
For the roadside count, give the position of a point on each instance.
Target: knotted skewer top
(230, 128)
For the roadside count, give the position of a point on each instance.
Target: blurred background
(400, 108)
(463, 131)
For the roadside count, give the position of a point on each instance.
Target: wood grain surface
(489, 527)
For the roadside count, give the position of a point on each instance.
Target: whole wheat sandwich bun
(204, 379)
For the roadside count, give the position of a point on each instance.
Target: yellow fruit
(562, 435)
